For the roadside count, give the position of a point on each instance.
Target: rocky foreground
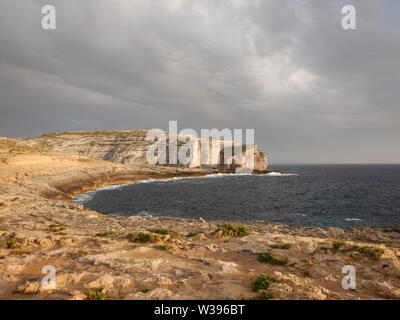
(104, 257)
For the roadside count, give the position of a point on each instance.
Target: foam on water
(280, 174)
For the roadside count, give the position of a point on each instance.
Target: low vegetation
(355, 255)
(262, 282)
(57, 227)
(108, 233)
(306, 261)
(232, 230)
(270, 257)
(96, 294)
(192, 234)
(337, 244)
(143, 237)
(8, 241)
(365, 251)
(164, 232)
(266, 295)
(165, 247)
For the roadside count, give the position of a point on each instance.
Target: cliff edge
(130, 147)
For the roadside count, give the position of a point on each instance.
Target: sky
(312, 91)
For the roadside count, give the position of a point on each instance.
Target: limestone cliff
(130, 147)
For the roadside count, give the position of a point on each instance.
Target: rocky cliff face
(131, 146)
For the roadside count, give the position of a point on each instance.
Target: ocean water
(310, 195)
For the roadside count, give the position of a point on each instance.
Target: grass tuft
(165, 247)
(143, 237)
(262, 282)
(366, 251)
(270, 257)
(232, 230)
(266, 295)
(164, 232)
(96, 294)
(10, 243)
(355, 255)
(337, 244)
(108, 233)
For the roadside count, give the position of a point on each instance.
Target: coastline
(90, 250)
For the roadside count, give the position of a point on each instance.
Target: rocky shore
(97, 256)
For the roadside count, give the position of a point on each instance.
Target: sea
(299, 195)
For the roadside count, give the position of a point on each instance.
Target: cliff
(130, 147)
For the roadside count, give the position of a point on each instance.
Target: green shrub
(270, 257)
(107, 233)
(96, 294)
(262, 282)
(144, 290)
(232, 230)
(58, 225)
(355, 255)
(367, 251)
(10, 243)
(337, 244)
(266, 295)
(143, 237)
(165, 247)
(192, 234)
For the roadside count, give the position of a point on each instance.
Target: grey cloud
(312, 91)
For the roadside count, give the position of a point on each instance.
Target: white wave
(279, 174)
(89, 195)
(220, 175)
(353, 219)
(163, 180)
(272, 174)
(84, 197)
(301, 214)
(145, 213)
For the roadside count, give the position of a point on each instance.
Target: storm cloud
(313, 92)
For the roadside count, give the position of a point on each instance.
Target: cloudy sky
(313, 92)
